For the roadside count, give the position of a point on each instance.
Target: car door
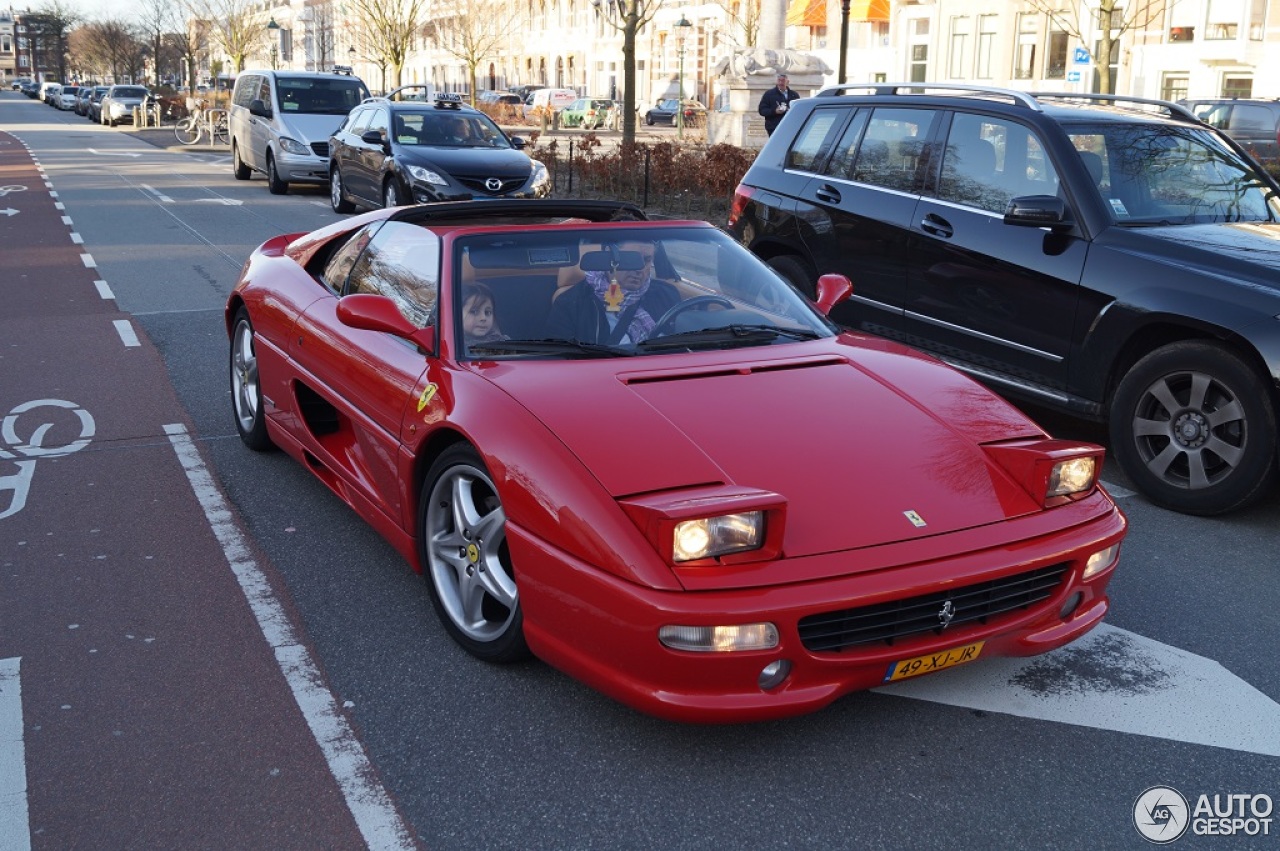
(372, 155)
(1002, 298)
(349, 150)
(260, 127)
(866, 195)
(356, 385)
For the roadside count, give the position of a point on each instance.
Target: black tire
(796, 273)
(648, 119)
(337, 195)
(275, 185)
(238, 168)
(1194, 427)
(246, 386)
(391, 194)
(466, 562)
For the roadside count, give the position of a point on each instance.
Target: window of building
(1257, 16)
(1237, 87)
(986, 46)
(1224, 19)
(1055, 64)
(1173, 86)
(1024, 52)
(6, 44)
(919, 63)
(958, 60)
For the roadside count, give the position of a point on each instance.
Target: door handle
(936, 225)
(828, 193)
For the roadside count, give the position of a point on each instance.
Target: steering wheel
(699, 301)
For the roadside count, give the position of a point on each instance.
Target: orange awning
(869, 10)
(807, 13)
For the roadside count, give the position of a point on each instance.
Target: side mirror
(371, 137)
(378, 313)
(517, 142)
(259, 108)
(1037, 211)
(832, 289)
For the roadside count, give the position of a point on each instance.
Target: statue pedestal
(742, 124)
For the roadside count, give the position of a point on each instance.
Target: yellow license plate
(918, 665)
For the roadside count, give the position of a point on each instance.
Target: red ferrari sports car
(630, 448)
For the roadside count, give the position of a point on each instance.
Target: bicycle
(201, 123)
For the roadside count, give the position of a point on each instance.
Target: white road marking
(157, 193)
(15, 825)
(10, 212)
(1112, 679)
(127, 335)
(375, 815)
(104, 289)
(87, 260)
(66, 220)
(77, 238)
(113, 153)
(59, 206)
(227, 202)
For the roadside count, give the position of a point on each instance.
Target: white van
(281, 121)
(554, 100)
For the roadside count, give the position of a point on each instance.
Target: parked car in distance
(664, 112)
(1255, 124)
(722, 510)
(588, 113)
(82, 100)
(281, 121)
(547, 101)
(49, 92)
(118, 103)
(389, 153)
(93, 109)
(1110, 257)
(67, 97)
(18, 83)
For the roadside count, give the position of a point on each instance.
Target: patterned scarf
(641, 322)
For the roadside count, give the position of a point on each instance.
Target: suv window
(892, 146)
(319, 95)
(988, 161)
(813, 141)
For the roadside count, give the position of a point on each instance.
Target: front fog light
(720, 639)
(1100, 561)
(773, 674)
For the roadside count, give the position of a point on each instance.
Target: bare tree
(191, 45)
(628, 17)
(157, 17)
(324, 35)
(474, 30)
(48, 29)
(234, 25)
(1109, 20)
(389, 28)
(107, 48)
(743, 19)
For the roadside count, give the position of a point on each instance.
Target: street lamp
(273, 29)
(682, 31)
(844, 39)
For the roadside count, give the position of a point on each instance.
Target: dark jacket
(769, 107)
(577, 314)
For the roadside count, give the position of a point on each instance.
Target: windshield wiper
(737, 335)
(552, 346)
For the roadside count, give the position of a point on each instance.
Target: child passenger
(479, 325)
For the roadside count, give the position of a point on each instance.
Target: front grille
(885, 623)
(476, 184)
(321, 149)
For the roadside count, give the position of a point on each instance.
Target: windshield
(122, 92)
(620, 292)
(1154, 174)
(448, 128)
(319, 95)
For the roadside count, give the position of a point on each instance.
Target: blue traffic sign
(1080, 56)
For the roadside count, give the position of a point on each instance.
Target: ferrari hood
(859, 462)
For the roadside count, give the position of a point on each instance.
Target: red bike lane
(164, 697)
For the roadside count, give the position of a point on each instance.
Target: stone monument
(745, 76)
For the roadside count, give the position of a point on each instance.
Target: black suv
(391, 152)
(1111, 257)
(1255, 124)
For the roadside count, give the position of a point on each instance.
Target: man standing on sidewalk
(774, 104)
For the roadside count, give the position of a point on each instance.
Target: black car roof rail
(1175, 110)
(886, 89)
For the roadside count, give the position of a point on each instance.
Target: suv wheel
(793, 269)
(1193, 426)
(337, 197)
(275, 185)
(238, 168)
(391, 195)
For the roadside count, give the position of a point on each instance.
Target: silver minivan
(281, 122)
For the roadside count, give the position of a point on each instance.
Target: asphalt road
(1180, 690)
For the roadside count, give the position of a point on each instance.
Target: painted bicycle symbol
(33, 446)
(6, 190)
